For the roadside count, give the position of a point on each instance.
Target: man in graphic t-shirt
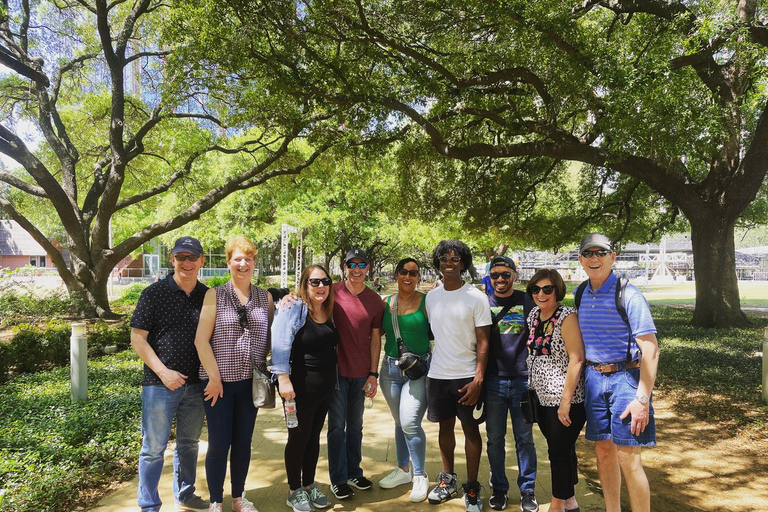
(506, 378)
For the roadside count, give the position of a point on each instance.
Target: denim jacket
(284, 328)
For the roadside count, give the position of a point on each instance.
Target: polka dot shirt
(170, 316)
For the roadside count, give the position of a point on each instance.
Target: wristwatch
(373, 374)
(642, 399)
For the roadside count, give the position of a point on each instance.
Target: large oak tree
(665, 99)
(101, 130)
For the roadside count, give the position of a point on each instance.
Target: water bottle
(368, 399)
(291, 420)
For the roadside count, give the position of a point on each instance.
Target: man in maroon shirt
(357, 312)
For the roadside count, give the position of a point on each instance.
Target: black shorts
(443, 401)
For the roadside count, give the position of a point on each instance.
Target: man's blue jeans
(159, 406)
(345, 430)
(502, 395)
(407, 400)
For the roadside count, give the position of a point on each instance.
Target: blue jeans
(407, 400)
(345, 430)
(159, 405)
(502, 395)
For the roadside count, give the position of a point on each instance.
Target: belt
(614, 367)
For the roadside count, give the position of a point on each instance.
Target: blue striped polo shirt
(603, 330)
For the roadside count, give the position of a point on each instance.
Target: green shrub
(215, 281)
(33, 348)
(29, 307)
(54, 453)
(101, 334)
(131, 295)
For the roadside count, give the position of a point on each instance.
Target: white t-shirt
(453, 316)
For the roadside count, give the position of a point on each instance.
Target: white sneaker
(396, 477)
(420, 488)
(242, 504)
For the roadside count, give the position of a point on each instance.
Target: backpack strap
(621, 309)
(579, 292)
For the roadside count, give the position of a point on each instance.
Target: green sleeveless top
(414, 328)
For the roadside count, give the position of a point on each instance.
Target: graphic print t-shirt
(509, 349)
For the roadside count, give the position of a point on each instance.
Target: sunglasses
(354, 264)
(548, 289)
(317, 281)
(600, 253)
(181, 257)
(446, 259)
(505, 275)
(412, 273)
(242, 313)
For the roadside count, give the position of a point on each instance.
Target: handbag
(262, 385)
(411, 365)
(263, 389)
(529, 403)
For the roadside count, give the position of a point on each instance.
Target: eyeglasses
(600, 253)
(412, 273)
(548, 289)
(242, 313)
(181, 257)
(505, 275)
(354, 264)
(453, 259)
(317, 281)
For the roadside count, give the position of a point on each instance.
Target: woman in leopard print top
(555, 364)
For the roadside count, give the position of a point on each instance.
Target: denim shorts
(607, 395)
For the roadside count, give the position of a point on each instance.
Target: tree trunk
(714, 258)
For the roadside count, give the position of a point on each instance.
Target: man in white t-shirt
(460, 318)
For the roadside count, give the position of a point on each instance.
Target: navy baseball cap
(188, 244)
(503, 261)
(356, 253)
(595, 240)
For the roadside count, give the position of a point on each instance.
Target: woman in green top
(407, 399)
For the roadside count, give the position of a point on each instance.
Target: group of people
(477, 355)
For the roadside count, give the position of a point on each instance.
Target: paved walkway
(267, 484)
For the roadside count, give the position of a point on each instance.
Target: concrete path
(267, 485)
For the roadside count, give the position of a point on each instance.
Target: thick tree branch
(22, 185)
(12, 62)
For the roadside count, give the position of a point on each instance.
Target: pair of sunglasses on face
(548, 289)
(505, 275)
(314, 282)
(446, 259)
(412, 273)
(181, 257)
(354, 264)
(600, 253)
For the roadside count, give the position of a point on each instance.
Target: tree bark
(714, 257)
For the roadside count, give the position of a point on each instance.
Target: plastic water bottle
(368, 399)
(291, 420)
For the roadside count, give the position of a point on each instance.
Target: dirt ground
(697, 465)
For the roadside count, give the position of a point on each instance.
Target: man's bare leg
(447, 443)
(610, 474)
(473, 448)
(634, 475)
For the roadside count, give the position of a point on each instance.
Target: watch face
(642, 399)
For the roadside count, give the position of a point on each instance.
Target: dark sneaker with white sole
(342, 491)
(361, 483)
(528, 503)
(498, 501)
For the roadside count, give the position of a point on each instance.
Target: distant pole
(78, 358)
(765, 365)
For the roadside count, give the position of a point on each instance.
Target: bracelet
(373, 374)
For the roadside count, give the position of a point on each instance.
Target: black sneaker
(342, 491)
(361, 483)
(498, 501)
(528, 503)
